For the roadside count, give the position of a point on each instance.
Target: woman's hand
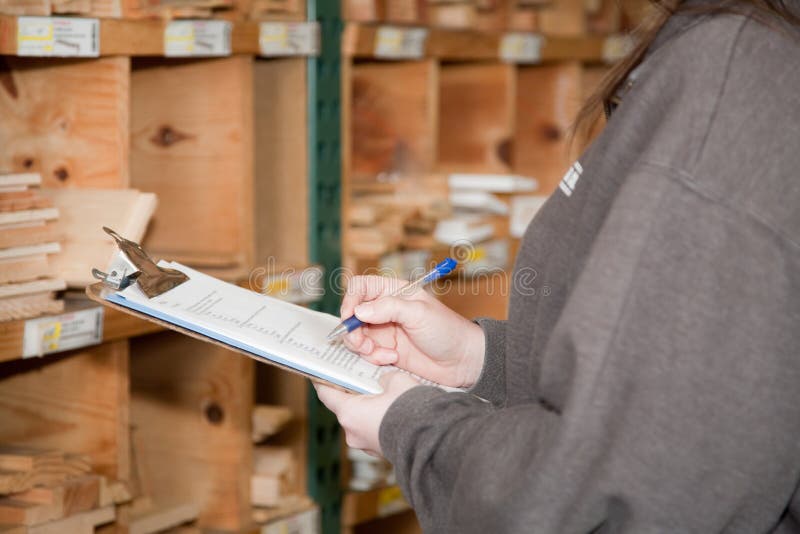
(416, 332)
(361, 415)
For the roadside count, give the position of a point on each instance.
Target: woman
(656, 388)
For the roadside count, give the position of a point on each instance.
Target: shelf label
(58, 37)
(56, 333)
(400, 43)
(197, 38)
(288, 39)
(616, 47)
(518, 47)
(391, 501)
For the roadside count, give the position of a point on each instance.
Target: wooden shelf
(116, 326)
(359, 41)
(362, 506)
(123, 37)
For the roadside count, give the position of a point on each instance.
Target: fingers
(365, 288)
(331, 397)
(409, 313)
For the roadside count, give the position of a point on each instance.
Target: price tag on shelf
(616, 47)
(518, 47)
(288, 39)
(56, 333)
(197, 38)
(391, 501)
(58, 37)
(400, 43)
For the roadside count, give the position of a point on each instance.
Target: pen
(445, 267)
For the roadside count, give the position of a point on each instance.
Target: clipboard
(132, 264)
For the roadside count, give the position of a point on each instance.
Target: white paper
(66, 331)
(58, 37)
(197, 38)
(287, 331)
(400, 43)
(288, 39)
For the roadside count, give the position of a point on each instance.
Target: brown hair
(769, 12)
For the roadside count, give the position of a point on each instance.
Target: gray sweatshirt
(648, 377)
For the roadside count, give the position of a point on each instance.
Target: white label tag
(288, 38)
(400, 43)
(56, 333)
(616, 47)
(521, 48)
(58, 37)
(193, 38)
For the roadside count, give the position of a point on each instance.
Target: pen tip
(336, 332)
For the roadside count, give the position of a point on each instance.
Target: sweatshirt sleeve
(670, 383)
(491, 384)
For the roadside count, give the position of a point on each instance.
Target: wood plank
(548, 98)
(459, 45)
(161, 519)
(84, 523)
(281, 162)
(476, 121)
(393, 118)
(20, 458)
(191, 404)
(45, 403)
(48, 232)
(24, 269)
(564, 18)
(269, 420)
(82, 138)
(83, 213)
(192, 145)
(21, 307)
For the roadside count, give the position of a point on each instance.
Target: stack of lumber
(274, 482)
(401, 216)
(82, 214)
(28, 238)
(47, 491)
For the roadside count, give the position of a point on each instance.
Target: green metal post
(325, 177)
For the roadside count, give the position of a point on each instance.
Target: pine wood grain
(67, 120)
(192, 145)
(77, 403)
(281, 185)
(476, 123)
(548, 98)
(191, 405)
(393, 117)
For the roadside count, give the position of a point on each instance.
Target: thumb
(408, 313)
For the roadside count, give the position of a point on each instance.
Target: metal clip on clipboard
(132, 264)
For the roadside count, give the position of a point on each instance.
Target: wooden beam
(467, 45)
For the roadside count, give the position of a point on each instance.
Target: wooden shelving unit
(222, 141)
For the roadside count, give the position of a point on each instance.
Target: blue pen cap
(444, 267)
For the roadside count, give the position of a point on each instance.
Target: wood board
(548, 99)
(393, 117)
(476, 118)
(190, 410)
(281, 162)
(192, 145)
(67, 120)
(82, 215)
